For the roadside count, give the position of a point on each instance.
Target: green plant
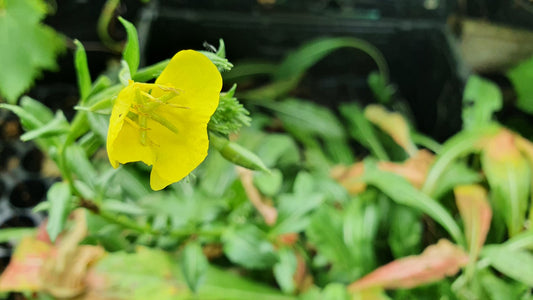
(413, 219)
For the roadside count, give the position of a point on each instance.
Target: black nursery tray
(417, 47)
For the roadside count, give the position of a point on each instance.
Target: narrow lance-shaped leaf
(131, 50)
(435, 263)
(517, 264)
(402, 192)
(193, 265)
(459, 145)
(509, 177)
(59, 197)
(476, 213)
(361, 130)
(393, 124)
(82, 71)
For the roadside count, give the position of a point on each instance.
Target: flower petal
(123, 139)
(199, 83)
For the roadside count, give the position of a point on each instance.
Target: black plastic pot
(418, 50)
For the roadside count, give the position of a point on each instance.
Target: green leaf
(360, 225)
(299, 61)
(277, 150)
(81, 166)
(509, 177)
(303, 117)
(269, 184)
(497, 288)
(57, 126)
(284, 270)
(405, 234)
(248, 246)
(521, 77)
(27, 119)
(481, 99)
(26, 46)
(380, 88)
(402, 192)
(131, 50)
(293, 212)
(335, 291)
(59, 197)
(461, 144)
(325, 232)
(82, 71)
(37, 109)
(517, 264)
(193, 265)
(362, 131)
(15, 234)
(457, 173)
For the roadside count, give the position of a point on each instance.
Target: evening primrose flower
(164, 124)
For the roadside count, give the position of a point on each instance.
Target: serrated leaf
(82, 71)
(26, 46)
(481, 99)
(325, 232)
(193, 265)
(248, 246)
(131, 50)
(521, 77)
(59, 197)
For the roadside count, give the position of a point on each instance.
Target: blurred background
(431, 47)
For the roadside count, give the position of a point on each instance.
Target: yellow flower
(164, 124)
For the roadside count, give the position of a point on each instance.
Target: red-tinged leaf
(509, 177)
(350, 177)
(476, 213)
(436, 262)
(414, 169)
(394, 124)
(22, 273)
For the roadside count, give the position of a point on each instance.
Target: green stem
(128, 223)
(150, 72)
(107, 14)
(76, 130)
